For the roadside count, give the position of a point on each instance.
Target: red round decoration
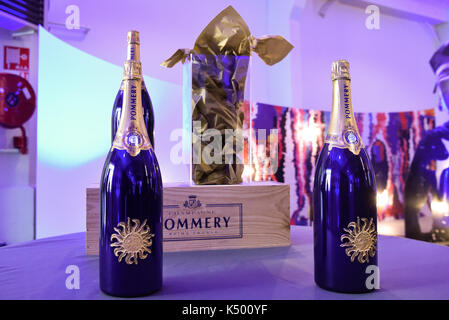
(17, 100)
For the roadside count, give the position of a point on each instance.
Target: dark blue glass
(148, 113)
(131, 187)
(344, 189)
(441, 220)
(444, 184)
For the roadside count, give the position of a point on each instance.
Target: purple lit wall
(74, 117)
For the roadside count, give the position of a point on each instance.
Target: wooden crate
(213, 216)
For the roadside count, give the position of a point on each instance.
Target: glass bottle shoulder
(337, 161)
(142, 168)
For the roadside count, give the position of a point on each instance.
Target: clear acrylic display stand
(188, 138)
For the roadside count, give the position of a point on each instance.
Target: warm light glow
(386, 230)
(439, 208)
(309, 133)
(391, 227)
(383, 199)
(248, 172)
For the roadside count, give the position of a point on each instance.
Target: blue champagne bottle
(344, 200)
(133, 53)
(131, 202)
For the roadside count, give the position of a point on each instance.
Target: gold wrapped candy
(220, 61)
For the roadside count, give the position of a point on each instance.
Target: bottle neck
(342, 112)
(132, 135)
(343, 131)
(133, 52)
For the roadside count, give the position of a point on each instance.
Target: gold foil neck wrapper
(340, 70)
(228, 34)
(349, 139)
(343, 132)
(132, 70)
(133, 37)
(133, 140)
(131, 134)
(133, 46)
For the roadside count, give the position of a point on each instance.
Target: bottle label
(361, 240)
(133, 242)
(131, 134)
(343, 132)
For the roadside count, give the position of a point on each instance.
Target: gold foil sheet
(220, 61)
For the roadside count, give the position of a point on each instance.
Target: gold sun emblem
(362, 240)
(133, 242)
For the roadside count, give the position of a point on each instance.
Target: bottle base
(130, 295)
(329, 288)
